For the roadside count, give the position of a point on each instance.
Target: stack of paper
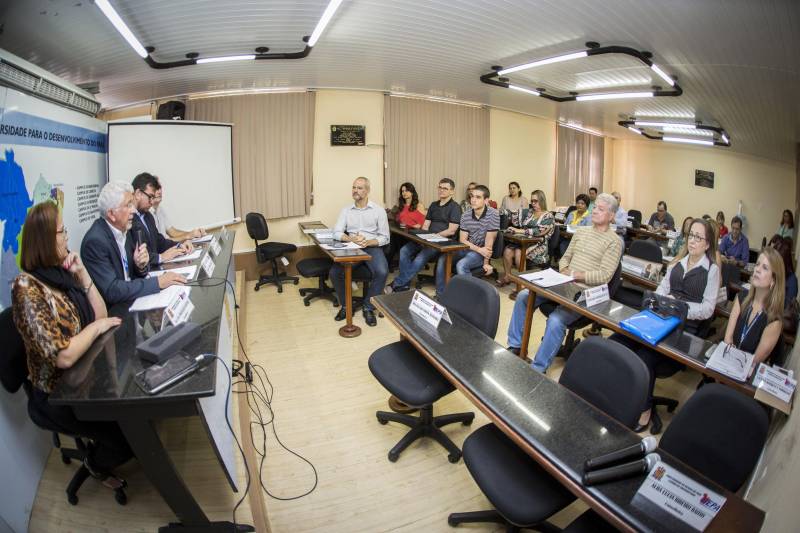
(188, 257)
(204, 238)
(159, 299)
(730, 361)
(432, 237)
(187, 272)
(547, 278)
(340, 246)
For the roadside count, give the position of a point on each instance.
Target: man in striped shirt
(592, 258)
(479, 227)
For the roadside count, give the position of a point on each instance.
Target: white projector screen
(193, 161)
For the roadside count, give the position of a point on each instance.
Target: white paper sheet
(204, 238)
(160, 299)
(188, 257)
(188, 272)
(342, 246)
(432, 237)
(731, 361)
(547, 278)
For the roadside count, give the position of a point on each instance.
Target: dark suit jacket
(156, 243)
(100, 255)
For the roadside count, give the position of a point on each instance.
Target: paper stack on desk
(160, 299)
(204, 238)
(432, 237)
(730, 361)
(340, 246)
(547, 278)
(187, 272)
(188, 257)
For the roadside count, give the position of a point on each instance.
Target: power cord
(257, 399)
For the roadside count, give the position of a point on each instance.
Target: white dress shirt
(119, 237)
(370, 221)
(705, 308)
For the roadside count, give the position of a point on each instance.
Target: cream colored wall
(645, 172)
(523, 149)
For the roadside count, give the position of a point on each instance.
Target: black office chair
(268, 251)
(405, 373)
(642, 249)
(636, 217)
(553, 246)
(719, 432)
(14, 375)
(730, 273)
(497, 253)
(317, 267)
(571, 342)
(605, 374)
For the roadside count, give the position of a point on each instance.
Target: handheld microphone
(139, 238)
(645, 446)
(614, 473)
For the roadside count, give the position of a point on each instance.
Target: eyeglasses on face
(149, 196)
(695, 237)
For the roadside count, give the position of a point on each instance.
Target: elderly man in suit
(117, 265)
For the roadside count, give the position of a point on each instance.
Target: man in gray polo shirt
(364, 223)
(479, 227)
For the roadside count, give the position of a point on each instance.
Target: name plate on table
(596, 295)
(681, 496)
(672, 235)
(207, 264)
(215, 247)
(179, 309)
(775, 386)
(223, 234)
(426, 308)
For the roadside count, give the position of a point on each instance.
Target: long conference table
(446, 248)
(681, 346)
(555, 427)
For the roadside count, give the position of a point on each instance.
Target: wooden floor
(324, 405)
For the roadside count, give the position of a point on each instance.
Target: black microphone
(645, 446)
(613, 473)
(139, 237)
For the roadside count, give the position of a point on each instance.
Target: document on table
(188, 257)
(204, 238)
(322, 235)
(730, 361)
(309, 231)
(187, 272)
(432, 237)
(340, 246)
(547, 278)
(160, 299)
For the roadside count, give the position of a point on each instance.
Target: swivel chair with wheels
(14, 375)
(317, 267)
(408, 375)
(605, 374)
(268, 251)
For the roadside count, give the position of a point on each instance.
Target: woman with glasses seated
(59, 313)
(692, 277)
(539, 222)
(680, 240)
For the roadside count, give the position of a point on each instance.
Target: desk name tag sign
(681, 496)
(223, 234)
(207, 264)
(179, 309)
(596, 295)
(215, 247)
(672, 235)
(428, 309)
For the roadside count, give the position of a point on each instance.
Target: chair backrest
(257, 226)
(552, 244)
(616, 281)
(730, 272)
(13, 363)
(720, 433)
(609, 376)
(636, 216)
(475, 300)
(646, 249)
(497, 247)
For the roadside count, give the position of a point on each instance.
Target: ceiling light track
(193, 58)
(721, 137)
(498, 76)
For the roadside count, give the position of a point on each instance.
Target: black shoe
(341, 315)
(369, 317)
(513, 350)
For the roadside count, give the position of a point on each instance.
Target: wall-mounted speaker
(173, 110)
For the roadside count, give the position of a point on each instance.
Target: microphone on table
(614, 473)
(645, 446)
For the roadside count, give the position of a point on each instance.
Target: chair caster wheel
(671, 408)
(393, 457)
(257, 287)
(306, 303)
(120, 496)
(382, 421)
(451, 522)
(468, 422)
(302, 292)
(454, 457)
(66, 460)
(72, 499)
(280, 290)
(296, 281)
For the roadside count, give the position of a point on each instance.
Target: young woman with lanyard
(756, 319)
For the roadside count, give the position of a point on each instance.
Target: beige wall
(645, 172)
(523, 149)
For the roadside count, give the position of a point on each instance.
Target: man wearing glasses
(144, 224)
(443, 218)
(116, 263)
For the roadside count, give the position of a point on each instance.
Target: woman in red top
(723, 229)
(409, 212)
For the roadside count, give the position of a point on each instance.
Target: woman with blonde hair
(538, 223)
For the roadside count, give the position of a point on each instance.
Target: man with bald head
(364, 223)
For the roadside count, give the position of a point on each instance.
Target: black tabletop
(106, 372)
(558, 424)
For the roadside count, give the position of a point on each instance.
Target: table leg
(448, 267)
(521, 267)
(526, 331)
(349, 330)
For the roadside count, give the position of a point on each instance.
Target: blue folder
(649, 326)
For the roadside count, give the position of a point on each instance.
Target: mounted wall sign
(348, 135)
(704, 178)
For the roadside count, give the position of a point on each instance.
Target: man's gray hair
(365, 180)
(609, 200)
(111, 196)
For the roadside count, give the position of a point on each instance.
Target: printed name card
(215, 247)
(775, 387)
(672, 235)
(207, 264)
(428, 309)
(681, 496)
(179, 309)
(596, 295)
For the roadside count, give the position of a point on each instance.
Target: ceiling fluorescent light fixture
(327, 15)
(524, 90)
(123, 29)
(664, 124)
(225, 58)
(635, 130)
(725, 139)
(655, 68)
(580, 128)
(613, 96)
(539, 63)
(688, 141)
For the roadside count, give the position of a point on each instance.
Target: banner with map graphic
(47, 153)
